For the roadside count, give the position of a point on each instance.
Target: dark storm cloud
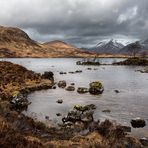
(80, 22)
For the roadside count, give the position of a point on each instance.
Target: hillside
(16, 43)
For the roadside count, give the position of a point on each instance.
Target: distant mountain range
(107, 47)
(114, 47)
(14, 42)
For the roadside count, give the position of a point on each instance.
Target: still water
(131, 102)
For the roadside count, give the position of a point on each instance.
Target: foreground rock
(82, 114)
(96, 88)
(138, 123)
(19, 101)
(133, 61)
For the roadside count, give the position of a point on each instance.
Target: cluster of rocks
(95, 88)
(79, 115)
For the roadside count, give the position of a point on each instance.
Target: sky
(82, 23)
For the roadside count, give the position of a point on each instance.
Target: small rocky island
(89, 62)
(137, 61)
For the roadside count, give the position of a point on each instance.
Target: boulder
(138, 123)
(19, 100)
(62, 84)
(70, 88)
(82, 90)
(96, 88)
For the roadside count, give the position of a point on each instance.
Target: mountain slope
(16, 43)
(107, 47)
(141, 48)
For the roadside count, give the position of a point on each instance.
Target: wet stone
(62, 84)
(138, 123)
(60, 101)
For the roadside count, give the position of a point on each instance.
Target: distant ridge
(14, 42)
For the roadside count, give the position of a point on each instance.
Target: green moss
(96, 84)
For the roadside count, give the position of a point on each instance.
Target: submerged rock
(96, 88)
(106, 111)
(54, 87)
(138, 123)
(117, 91)
(63, 73)
(59, 114)
(60, 101)
(62, 84)
(70, 88)
(82, 90)
(72, 84)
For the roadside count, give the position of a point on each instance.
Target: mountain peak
(108, 46)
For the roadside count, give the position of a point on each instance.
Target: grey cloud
(80, 22)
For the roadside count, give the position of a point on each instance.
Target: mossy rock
(96, 88)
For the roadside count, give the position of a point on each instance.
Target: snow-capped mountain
(142, 47)
(107, 47)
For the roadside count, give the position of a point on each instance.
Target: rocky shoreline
(18, 130)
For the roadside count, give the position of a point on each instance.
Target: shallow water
(131, 102)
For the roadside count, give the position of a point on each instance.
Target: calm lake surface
(131, 102)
